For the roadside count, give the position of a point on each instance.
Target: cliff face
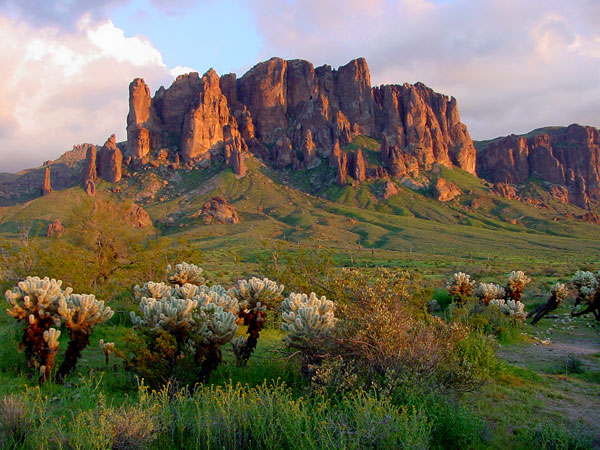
(568, 156)
(292, 114)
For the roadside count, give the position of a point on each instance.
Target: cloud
(512, 65)
(62, 89)
(60, 13)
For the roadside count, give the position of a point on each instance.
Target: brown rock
(55, 229)
(309, 152)
(388, 189)
(109, 160)
(46, 185)
(357, 166)
(209, 114)
(89, 166)
(505, 190)
(567, 156)
(220, 211)
(137, 217)
(90, 188)
(445, 191)
(560, 193)
(138, 135)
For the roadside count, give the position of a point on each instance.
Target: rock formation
(218, 210)
(444, 191)
(290, 113)
(137, 217)
(566, 156)
(46, 185)
(109, 160)
(55, 229)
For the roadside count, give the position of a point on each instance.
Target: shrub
(15, 422)
(588, 292)
(385, 332)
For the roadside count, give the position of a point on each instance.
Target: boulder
(55, 229)
(137, 217)
(109, 160)
(218, 210)
(445, 191)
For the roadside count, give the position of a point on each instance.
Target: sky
(513, 65)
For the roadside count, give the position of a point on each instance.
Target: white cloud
(61, 89)
(180, 70)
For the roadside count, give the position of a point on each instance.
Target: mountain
(327, 132)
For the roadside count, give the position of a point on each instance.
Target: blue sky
(513, 65)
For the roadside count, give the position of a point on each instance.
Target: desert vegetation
(292, 351)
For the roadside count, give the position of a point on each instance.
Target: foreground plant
(558, 292)
(188, 320)
(44, 307)
(254, 296)
(79, 313)
(517, 280)
(460, 286)
(587, 286)
(308, 321)
(512, 308)
(489, 291)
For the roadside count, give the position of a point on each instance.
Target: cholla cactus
(460, 286)
(35, 302)
(168, 313)
(558, 292)
(185, 273)
(489, 291)
(588, 290)
(517, 280)
(153, 290)
(254, 295)
(201, 319)
(249, 292)
(512, 308)
(107, 348)
(307, 318)
(237, 345)
(50, 337)
(80, 313)
(37, 297)
(585, 283)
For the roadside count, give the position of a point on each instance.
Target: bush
(386, 335)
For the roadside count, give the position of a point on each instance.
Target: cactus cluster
(489, 291)
(254, 296)
(44, 307)
(512, 308)
(185, 273)
(201, 319)
(460, 286)
(587, 285)
(517, 280)
(307, 318)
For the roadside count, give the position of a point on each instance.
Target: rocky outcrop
(444, 191)
(109, 160)
(46, 185)
(505, 190)
(291, 114)
(137, 217)
(55, 229)
(388, 189)
(422, 127)
(138, 135)
(565, 156)
(218, 210)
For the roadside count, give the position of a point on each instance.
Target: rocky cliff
(292, 115)
(564, 156)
